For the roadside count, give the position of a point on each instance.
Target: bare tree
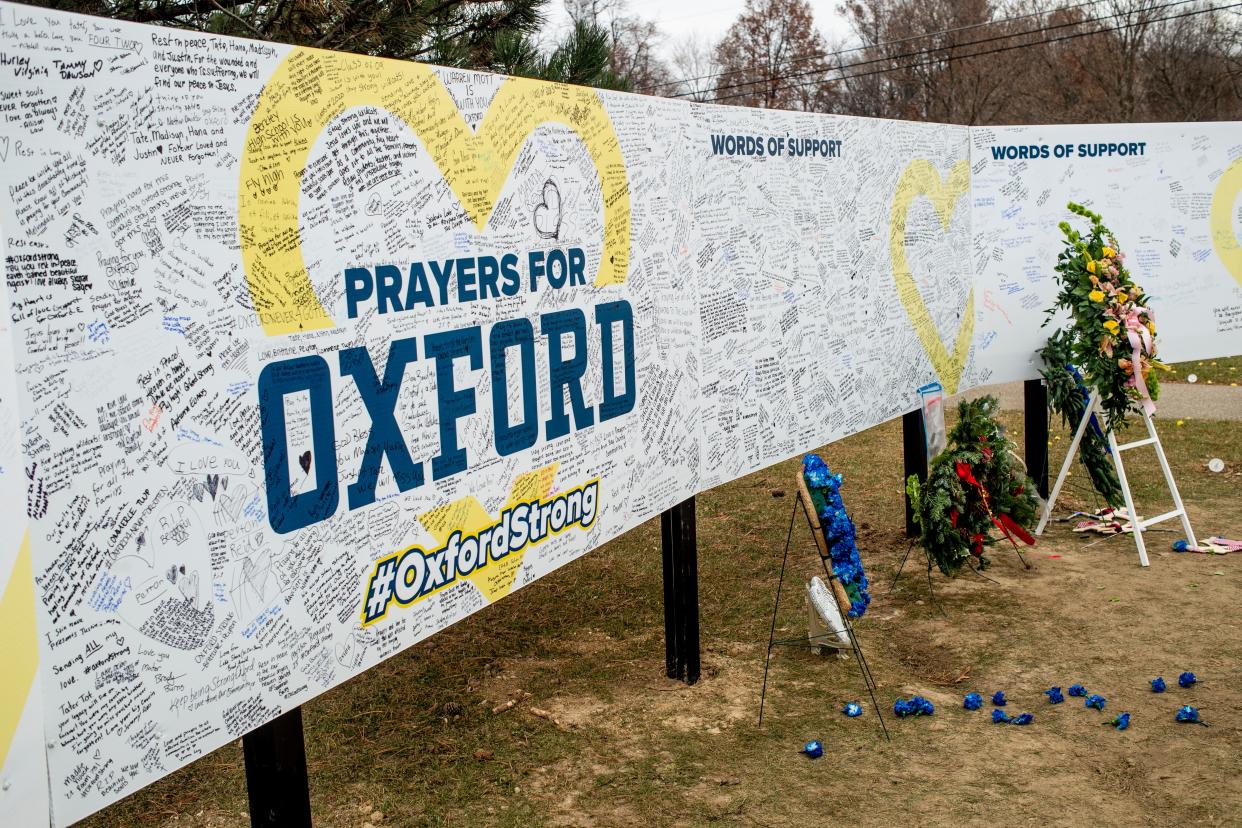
(695, 67)
(772, 57)
(633, 41)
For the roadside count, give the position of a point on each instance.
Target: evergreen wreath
(974, 486)
(1112, 338)
(1068, 397)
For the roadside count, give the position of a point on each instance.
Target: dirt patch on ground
(596, 736)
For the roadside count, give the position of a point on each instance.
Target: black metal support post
(1035, 394)
(914, 448)
(276, 773)
(681, 592)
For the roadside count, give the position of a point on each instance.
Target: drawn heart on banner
(921, 178)
(288, 120)
(1227, 243)
(548, 212)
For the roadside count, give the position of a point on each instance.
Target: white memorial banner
(316, 354)
(1171, 192)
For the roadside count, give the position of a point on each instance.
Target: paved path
(1178, 400)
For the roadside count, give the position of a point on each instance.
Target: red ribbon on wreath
(1004, 523)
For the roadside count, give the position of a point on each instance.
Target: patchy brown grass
(597, 736)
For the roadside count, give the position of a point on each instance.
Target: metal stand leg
(1046, 513)
(767, 660)
(1125, 490)
(1168, 478)
(914, 451)
(276, 773)
(1035, 403)
(681, 592)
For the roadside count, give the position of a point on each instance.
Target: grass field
(598, 737)
(1226, 371)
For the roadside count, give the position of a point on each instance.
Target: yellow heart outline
(19, 650)
(311, 87)
(920, 178)
(1220, 223)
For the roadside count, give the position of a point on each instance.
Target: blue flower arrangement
(1097, 701)
(917, 706)
(1157, 684)
(1187, 680)
(813, 749)
(1121, 722)
(1189, 715)
(972, 701)
(1023, 719)
(1054, 695)
(998, 698)
(852, 709)
(1077, 690)
(1000, 717)
(825, 489)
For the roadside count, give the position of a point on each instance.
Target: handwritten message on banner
(311, 355)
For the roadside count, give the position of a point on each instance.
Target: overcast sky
(708, 18)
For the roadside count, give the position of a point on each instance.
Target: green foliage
(498, 35)
(1099, 294)
(1068, 398)
(973, 485)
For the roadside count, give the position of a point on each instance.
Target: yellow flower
(1091, 267)
(1108, 252)
(1122, 296)
(1096, 296)
(1151, 326)
(1111, 325)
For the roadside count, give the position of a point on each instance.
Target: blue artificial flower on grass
(1121, 722)
(1097, 701)
(1187, 680)
(1077, 690)
(1023, 719)
(1189, 715)
(852, 709)
(813, 749)
(999, 717)
(1054, 695)
(917, 706)
(998, 698)
(1157, 684)
(973, 701)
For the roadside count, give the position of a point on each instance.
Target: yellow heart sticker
(1227, 243)
(920, 178)
(311, 88)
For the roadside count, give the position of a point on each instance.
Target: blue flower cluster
(1077, 690)
(972, 701)
(1054, 695)
(839, 533)
(917, 706)
(1157, 684)
(813, 749)
(852, 709)
(1188, 714)
(1187, 680)
(1096, 700)
(1023, 719)
(998, 698)
(1121, 722)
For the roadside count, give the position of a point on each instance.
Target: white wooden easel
(1093, 407)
